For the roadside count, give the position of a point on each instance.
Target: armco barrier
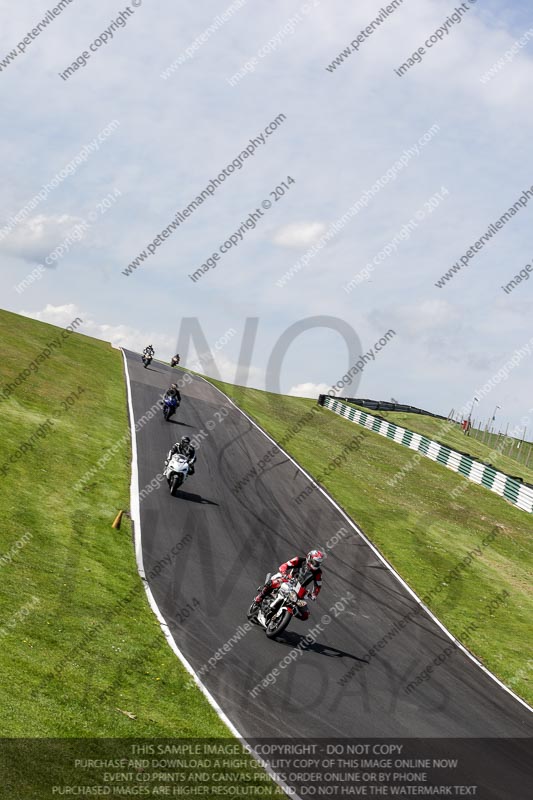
(510, 488)
(385, 405)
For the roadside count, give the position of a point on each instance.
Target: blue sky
(343, 130)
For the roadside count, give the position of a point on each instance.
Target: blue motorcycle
(170, 405)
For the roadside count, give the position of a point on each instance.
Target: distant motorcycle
(170, 405)
(277, 609)
(176, 472)
(147, 360)
(175, 360)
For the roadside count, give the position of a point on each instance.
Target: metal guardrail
(383, 405)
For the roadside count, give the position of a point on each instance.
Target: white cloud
(308, 389)
(36, 238)
(55, 315)
(334, 153)
(299, 234)
(119, 335)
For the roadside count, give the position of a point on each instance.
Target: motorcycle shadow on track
(195, 498)
(292, 639)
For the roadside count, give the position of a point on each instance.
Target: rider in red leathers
(306, 569)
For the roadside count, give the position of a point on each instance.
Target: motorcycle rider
(173, 392)
(307, 570)
(185, 448)
(149, 351)
(175, 360)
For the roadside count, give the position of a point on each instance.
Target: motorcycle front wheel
(175, 484)
(252, 613)
(277, 625)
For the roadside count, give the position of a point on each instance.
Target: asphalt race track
(233, 540)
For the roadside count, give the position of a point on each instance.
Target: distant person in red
(306, 569)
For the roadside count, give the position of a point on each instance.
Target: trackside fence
(510, 488)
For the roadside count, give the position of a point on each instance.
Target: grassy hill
(79, 644)
(420, 528)
(506, 454)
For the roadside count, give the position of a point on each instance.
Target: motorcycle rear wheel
(276, 627)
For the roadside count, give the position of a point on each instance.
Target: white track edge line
(135, 514)
(377, 553)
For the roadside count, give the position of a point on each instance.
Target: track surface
(235, 539)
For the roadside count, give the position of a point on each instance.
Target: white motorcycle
(176, 472)
(279, 607)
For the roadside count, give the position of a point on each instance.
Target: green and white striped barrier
(514, 491)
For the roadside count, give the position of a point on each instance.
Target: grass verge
(80, 645)
(501, 452)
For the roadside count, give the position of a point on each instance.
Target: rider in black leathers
(173, 391)
(186, 449)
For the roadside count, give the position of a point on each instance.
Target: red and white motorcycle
(284, 602)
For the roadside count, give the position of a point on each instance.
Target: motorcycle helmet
(174, 387)
(185, 444)
(314, 559)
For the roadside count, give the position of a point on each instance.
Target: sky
(174, 93)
